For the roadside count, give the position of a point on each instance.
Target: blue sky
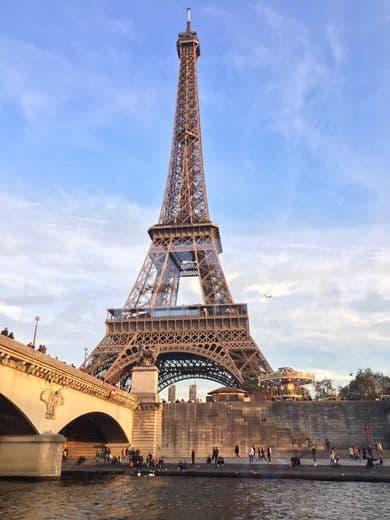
(295, 109)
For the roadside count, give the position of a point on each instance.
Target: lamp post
(37, 318)
(85, 355)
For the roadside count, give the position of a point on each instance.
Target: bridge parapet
(23, 358)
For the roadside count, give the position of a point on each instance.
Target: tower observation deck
(210, 340)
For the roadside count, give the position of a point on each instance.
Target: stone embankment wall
(283, 425)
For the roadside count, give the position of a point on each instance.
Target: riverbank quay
(347, 473)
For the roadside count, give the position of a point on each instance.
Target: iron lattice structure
(211, 340)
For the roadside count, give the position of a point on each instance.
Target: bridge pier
(147, 420)
(32, 456)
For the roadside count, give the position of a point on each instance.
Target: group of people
(5, 332)
(368, 453)
(41, 348)
(334, 458)
(215, 458)
(129, 456)
(258, 453)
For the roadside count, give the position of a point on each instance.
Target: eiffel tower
(209, 340)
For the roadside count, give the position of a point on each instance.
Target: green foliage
(324, 389)
(366, 385)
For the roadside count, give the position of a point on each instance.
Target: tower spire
(188, 10)
(185, 199)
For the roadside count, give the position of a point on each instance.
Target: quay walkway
(279, 468)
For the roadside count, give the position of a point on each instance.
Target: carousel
(287, 384)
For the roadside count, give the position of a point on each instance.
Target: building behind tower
(172, 394)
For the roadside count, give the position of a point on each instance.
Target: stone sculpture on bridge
(146, 357)
(53, 399)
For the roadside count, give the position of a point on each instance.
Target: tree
(366, 385)
(324, 389)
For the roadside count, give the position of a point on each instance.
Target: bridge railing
(18, 356)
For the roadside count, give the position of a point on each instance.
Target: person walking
(332, 457)
(237, 451)
(262, 453)
(379, 448)
(314, 455)
(213, 455)
(193, 457)
(251, 454)
(269, 453)
(356, 453)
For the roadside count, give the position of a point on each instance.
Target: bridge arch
(96, 427)
(13, 421)
(89, 433)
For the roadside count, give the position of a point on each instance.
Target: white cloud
(69, 257)
(66, 259)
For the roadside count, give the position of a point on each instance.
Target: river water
(123, 497)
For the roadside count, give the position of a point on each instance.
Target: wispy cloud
(52, 92)
(69, 257)
(335, 43)
(302, 85)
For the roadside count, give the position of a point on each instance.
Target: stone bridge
(45, 402)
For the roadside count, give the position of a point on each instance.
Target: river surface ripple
(125, 497)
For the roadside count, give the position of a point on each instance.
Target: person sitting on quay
(80, 460)
(295, 461)
(182, 466)
(208, 460)
(160, 464)
(221, 462)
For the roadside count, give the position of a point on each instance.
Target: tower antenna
(188, 19)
